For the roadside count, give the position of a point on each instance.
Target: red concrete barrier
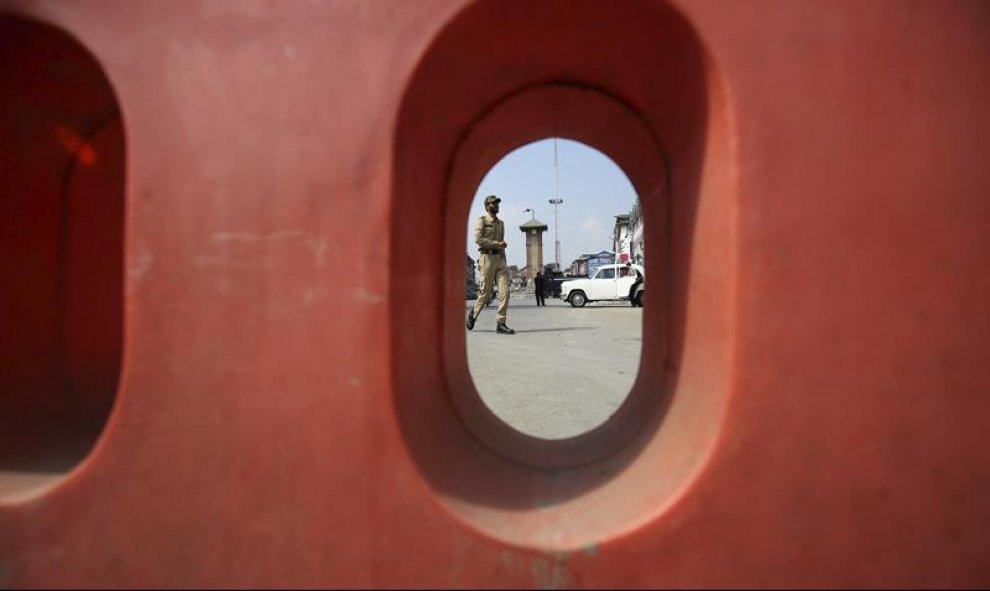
(275, 321)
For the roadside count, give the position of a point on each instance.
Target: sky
(593, 187)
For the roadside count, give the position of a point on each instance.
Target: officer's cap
(491, 199)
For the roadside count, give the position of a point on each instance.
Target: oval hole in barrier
(574, 232)
(61, 254)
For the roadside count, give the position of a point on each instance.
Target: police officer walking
(489, 234)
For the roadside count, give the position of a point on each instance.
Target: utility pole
(556, 201)
(556, 240)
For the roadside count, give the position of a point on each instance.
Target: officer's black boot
(470, 320)
(501, 328)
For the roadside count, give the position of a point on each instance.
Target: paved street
(564, 372)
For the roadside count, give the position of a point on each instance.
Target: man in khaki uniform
(489, 234)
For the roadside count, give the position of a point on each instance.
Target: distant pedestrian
(633, 300)
(539, 288)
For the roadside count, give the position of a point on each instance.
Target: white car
(622, 282)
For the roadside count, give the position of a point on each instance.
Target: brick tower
(533, 229)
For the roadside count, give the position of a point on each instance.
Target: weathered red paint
(290, 401)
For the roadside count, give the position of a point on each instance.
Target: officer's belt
(490, 251)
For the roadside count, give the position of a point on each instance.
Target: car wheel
(578, 299)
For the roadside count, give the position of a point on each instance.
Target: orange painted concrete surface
(292, 408)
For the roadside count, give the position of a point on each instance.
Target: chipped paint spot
(546, 572)
(253, 250)
(139, 266)
(308, 296)
(252, 237)
(210, 261)
(506, 558)
(550, 573)
(463, 544)
(319, 249)
(363, 295)
(226, 287)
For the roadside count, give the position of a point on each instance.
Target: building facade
(471, 285)
(637, 246)
(586, 264)
(622, 238)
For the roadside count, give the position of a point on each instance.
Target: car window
(606, 274)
